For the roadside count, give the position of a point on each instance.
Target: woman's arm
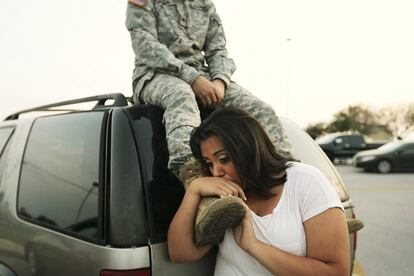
(327, 247)
(181, 245)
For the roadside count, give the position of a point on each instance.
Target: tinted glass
(355, 140)
(4, 271)
(4, 137)
(163, 190)
(60, 172)
(409, 149)
(5, 134)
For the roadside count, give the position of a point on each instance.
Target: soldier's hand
(220, 88)
(205, 91)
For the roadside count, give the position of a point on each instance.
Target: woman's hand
(244, 233)
(215, 186)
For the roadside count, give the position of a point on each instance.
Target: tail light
(135, 272)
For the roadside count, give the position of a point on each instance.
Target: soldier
(181, 62)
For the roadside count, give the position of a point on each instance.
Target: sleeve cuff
(223, 78)
(189, 74)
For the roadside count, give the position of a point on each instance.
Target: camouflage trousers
(182, 115)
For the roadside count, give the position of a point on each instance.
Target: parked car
(393, 156)
(343, 145)
(89, 193)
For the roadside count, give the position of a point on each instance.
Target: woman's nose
(217, 170)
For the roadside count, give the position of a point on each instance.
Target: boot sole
(226, 213)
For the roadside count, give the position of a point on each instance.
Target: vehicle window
(164, 190)
(343, 139)
(409, 149)
(355, 140)
(60, 173)
(5, 134)
(5, 271)
(5, 137)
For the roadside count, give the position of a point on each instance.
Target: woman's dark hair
(259, 166)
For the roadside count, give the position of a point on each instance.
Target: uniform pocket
(198, 7)
(166, 22)
(199, 22)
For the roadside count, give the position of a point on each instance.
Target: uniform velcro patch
(139, 3)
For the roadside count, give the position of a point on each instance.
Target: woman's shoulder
(297, 167)
(305, 174)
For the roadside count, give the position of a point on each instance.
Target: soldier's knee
(179, 91)
(181, 95)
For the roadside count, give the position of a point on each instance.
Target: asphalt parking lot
(385, 246)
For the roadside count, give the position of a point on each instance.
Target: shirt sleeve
(317, 195)
(149, 52)
(219, 64)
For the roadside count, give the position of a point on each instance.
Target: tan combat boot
(214, 214)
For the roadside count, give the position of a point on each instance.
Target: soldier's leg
(239, 97)
(181, 115)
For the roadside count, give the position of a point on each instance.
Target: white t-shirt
(306, 193)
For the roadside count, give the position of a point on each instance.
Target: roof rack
(119, 100)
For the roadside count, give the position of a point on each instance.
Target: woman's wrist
(195, 186)
(193, 189)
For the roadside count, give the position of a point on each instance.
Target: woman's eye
(224, 160)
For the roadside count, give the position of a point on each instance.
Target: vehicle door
(347, 145)
(61, 224)
(7, 251)
(163, 192)
(404, 158)
(338, 146)
(58, 195)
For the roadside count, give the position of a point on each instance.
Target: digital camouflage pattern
(177, 37)
(175, 41)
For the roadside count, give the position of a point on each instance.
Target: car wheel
(384, 166)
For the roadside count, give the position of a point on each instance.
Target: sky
(308, 59)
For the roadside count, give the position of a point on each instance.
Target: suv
(89, 192)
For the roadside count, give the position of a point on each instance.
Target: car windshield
(326, 138)
(389, 146)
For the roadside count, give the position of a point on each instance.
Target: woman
(294, 222)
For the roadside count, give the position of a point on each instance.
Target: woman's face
(217, 159)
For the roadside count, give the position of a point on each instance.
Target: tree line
(386, 123)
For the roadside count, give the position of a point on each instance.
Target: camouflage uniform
(175, 41)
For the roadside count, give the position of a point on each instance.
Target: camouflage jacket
(177, 37)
